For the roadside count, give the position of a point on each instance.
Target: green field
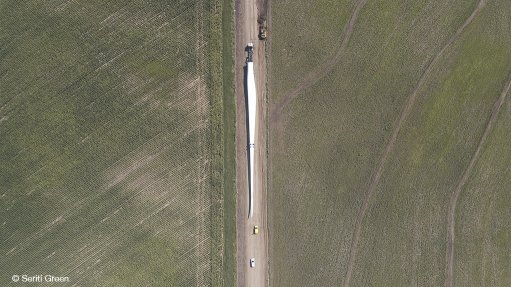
(327, 144)
(484, 215)
(112, 142)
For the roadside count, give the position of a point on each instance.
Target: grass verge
(229, 146)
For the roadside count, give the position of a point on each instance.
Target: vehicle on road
(263, 28)
(250, 52)
(256, 230)
(252, 262)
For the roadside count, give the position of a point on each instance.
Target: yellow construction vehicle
(263, 28)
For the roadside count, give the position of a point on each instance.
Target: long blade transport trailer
(251, 98)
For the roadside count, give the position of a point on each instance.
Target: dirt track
(323, 69)
(461, 184)
(390, 145)
(250, 246)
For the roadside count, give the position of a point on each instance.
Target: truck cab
(250, 51)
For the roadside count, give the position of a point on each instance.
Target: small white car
(252, 262)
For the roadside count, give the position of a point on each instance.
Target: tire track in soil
(463, 181)
(322, 70)
(390, 145)
(312, 78)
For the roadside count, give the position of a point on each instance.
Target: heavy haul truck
(252, 110)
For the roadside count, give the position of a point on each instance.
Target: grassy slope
(229, 111)
(335, 133)
(104, 149)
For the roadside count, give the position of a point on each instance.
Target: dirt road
(249, 245)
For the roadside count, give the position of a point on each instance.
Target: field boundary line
(322, 70)
(390, 145)
(456, 193)
(267, 56)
